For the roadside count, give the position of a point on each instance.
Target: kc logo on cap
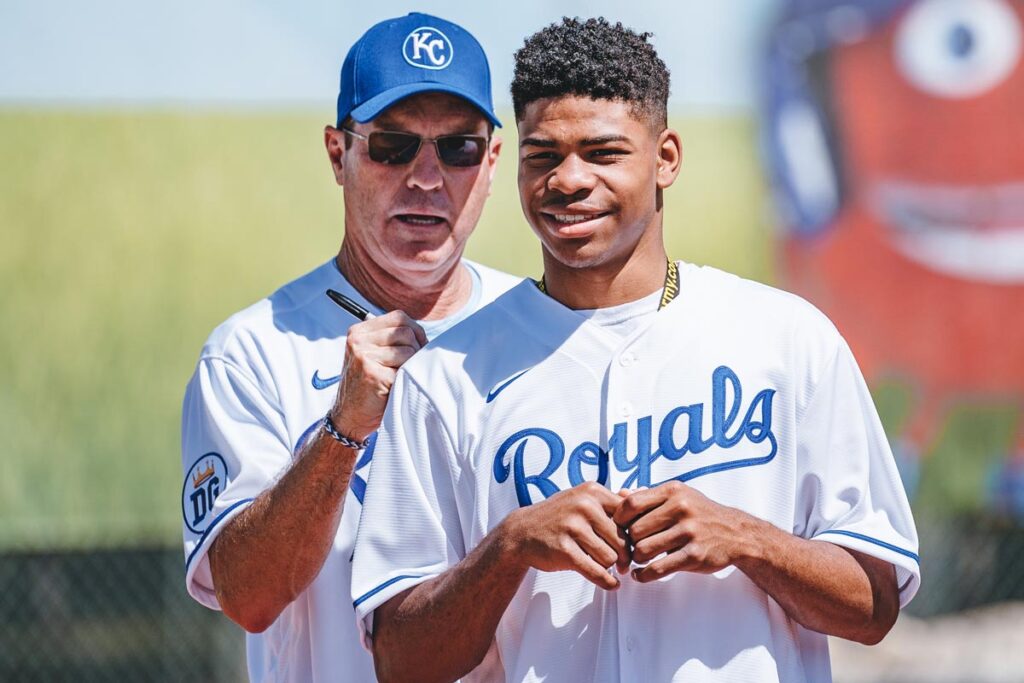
(428, 48)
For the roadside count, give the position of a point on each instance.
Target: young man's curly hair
(595, 59)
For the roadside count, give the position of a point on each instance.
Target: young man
(276, 427)
(711, 434)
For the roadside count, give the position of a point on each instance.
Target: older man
(279, 416)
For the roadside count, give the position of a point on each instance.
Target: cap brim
(371, 108)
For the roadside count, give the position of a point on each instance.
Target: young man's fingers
(596, 547)
(616, 539)
(637, 504)
(585, 566)
(667, 541)
(654, 522)
(609, 501)
(626, 555)
(671, 563)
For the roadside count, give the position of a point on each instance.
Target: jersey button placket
(627, 359)
(629, 669)
(612, 410)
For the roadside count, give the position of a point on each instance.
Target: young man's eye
(540, 157)
(608, 153)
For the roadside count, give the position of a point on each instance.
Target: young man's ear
(670, 157)
(334, 142)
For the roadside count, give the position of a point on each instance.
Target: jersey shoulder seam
(312, 295)
(252, 318)
(245, 375)
(814, 390)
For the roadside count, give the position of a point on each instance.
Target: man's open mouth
(419, 219)
(973, 232)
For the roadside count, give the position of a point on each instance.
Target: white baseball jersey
(744, 392)
(265, 379)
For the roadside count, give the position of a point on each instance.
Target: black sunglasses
(387, 147)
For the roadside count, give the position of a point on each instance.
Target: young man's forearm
(267, 555)
(442, 628)
(825, 587)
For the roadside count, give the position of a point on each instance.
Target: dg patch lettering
(745, 393)
(204, 481)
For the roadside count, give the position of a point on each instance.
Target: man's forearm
(441, 629)
(822, 586)
(270, 553)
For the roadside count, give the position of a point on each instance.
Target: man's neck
(606, 285)
(421, 295)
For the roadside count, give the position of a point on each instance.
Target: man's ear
(334, 142)
(492, 158)
(670, 157)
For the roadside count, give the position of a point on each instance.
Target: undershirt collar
(624, 319)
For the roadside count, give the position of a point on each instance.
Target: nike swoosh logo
(493, 393)
(323, 383)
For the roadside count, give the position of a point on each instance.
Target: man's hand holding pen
(374, 350)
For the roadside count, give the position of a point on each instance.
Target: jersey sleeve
(410, 528)
(233, 445)
(849, 491)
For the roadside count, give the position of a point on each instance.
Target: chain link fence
(124, 615)
(110, 615)
(968, 562)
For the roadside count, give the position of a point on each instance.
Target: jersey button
(630, 643)
(626, 409)
(627, 359)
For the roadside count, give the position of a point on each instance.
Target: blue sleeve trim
(366, 596)
(888, 546)
(213, 525)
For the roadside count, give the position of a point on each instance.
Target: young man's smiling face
(590, 176)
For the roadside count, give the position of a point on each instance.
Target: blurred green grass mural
(128, 236)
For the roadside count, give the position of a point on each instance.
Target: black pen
(349, 305)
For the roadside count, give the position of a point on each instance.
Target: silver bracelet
(341, 438)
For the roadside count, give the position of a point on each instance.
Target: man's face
(590, 172)
(416, 217)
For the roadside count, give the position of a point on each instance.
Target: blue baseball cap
(408, 55)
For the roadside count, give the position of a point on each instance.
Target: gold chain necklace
(671, 288)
